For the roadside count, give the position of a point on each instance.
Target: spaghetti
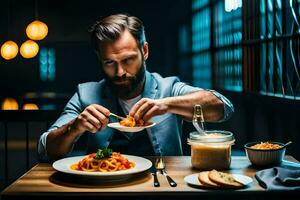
(115, 162)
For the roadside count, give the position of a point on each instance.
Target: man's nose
(120, 71)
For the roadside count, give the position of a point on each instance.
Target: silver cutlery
(154, 174)
(160, 165)
(116, 116)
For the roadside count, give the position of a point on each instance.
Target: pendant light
(9, 49)
(29, 49)
(36, 30)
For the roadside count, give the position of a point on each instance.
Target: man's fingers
(150, 113)
(136, 106)
(102, 109)
(143, 110)
(90, 127)
(94, 121)
(99, 115)
(104, 123)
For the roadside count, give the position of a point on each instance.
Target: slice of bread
(224, 179)
(205, 181)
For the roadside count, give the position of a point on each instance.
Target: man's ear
(145, 50)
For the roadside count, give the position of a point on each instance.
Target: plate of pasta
(102, 166)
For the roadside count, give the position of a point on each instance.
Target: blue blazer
(165, 136)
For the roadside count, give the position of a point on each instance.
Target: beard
(127, 87)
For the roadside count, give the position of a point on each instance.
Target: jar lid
(212, 136)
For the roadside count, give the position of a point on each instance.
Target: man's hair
(110, 28)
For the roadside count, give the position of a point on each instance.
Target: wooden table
(42, 181)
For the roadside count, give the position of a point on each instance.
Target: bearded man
(127, 89)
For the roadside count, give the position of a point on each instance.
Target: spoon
(198, 119)
(116, 116)
(287, 144)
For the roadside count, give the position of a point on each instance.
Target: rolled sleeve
(228, 106)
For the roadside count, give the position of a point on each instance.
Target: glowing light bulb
(9, 50)
(29, 49)
(37, 30)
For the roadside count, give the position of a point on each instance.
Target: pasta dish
(103, 161)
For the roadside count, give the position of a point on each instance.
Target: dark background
(257, 117)
(68, 22)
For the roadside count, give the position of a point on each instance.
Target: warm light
(37, 30)
(9, 50)
(10, 104)
(30, 106)
(29, 49)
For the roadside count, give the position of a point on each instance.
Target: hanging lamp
(9, 49)
(29, 49)
(36, 30)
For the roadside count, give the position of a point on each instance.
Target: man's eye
(108, 63)
(128, 60)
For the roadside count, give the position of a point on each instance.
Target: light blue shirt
(165, 136)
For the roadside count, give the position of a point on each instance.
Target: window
(252, 47)
(216, 50)
(276, 46)
(228, 45)
(47, 64)
(201, 46)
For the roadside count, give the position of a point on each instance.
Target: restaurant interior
(249, 51)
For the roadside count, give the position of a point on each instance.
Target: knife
(154, 174)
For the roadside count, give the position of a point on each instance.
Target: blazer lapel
(150, 89)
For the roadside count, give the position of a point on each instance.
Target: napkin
(279, 178)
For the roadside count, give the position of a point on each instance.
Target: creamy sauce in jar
(212, 151)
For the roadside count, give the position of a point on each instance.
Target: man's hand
(147, 108)
(93, 118)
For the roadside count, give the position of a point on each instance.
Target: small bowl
(265, 157)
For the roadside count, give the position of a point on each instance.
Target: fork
(160, 165)
(116, 116)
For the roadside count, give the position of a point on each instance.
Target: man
(127, 88)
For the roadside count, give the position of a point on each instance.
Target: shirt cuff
(228, 106)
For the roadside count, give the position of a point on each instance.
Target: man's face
(123, 64)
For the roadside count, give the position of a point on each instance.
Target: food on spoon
(129, 121)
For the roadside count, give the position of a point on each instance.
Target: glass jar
(212, 150)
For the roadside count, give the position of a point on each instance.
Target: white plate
(141, 165)
(193, 179)
(118, 126)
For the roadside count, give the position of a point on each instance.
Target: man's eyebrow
(106, 59)
(131, 56)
